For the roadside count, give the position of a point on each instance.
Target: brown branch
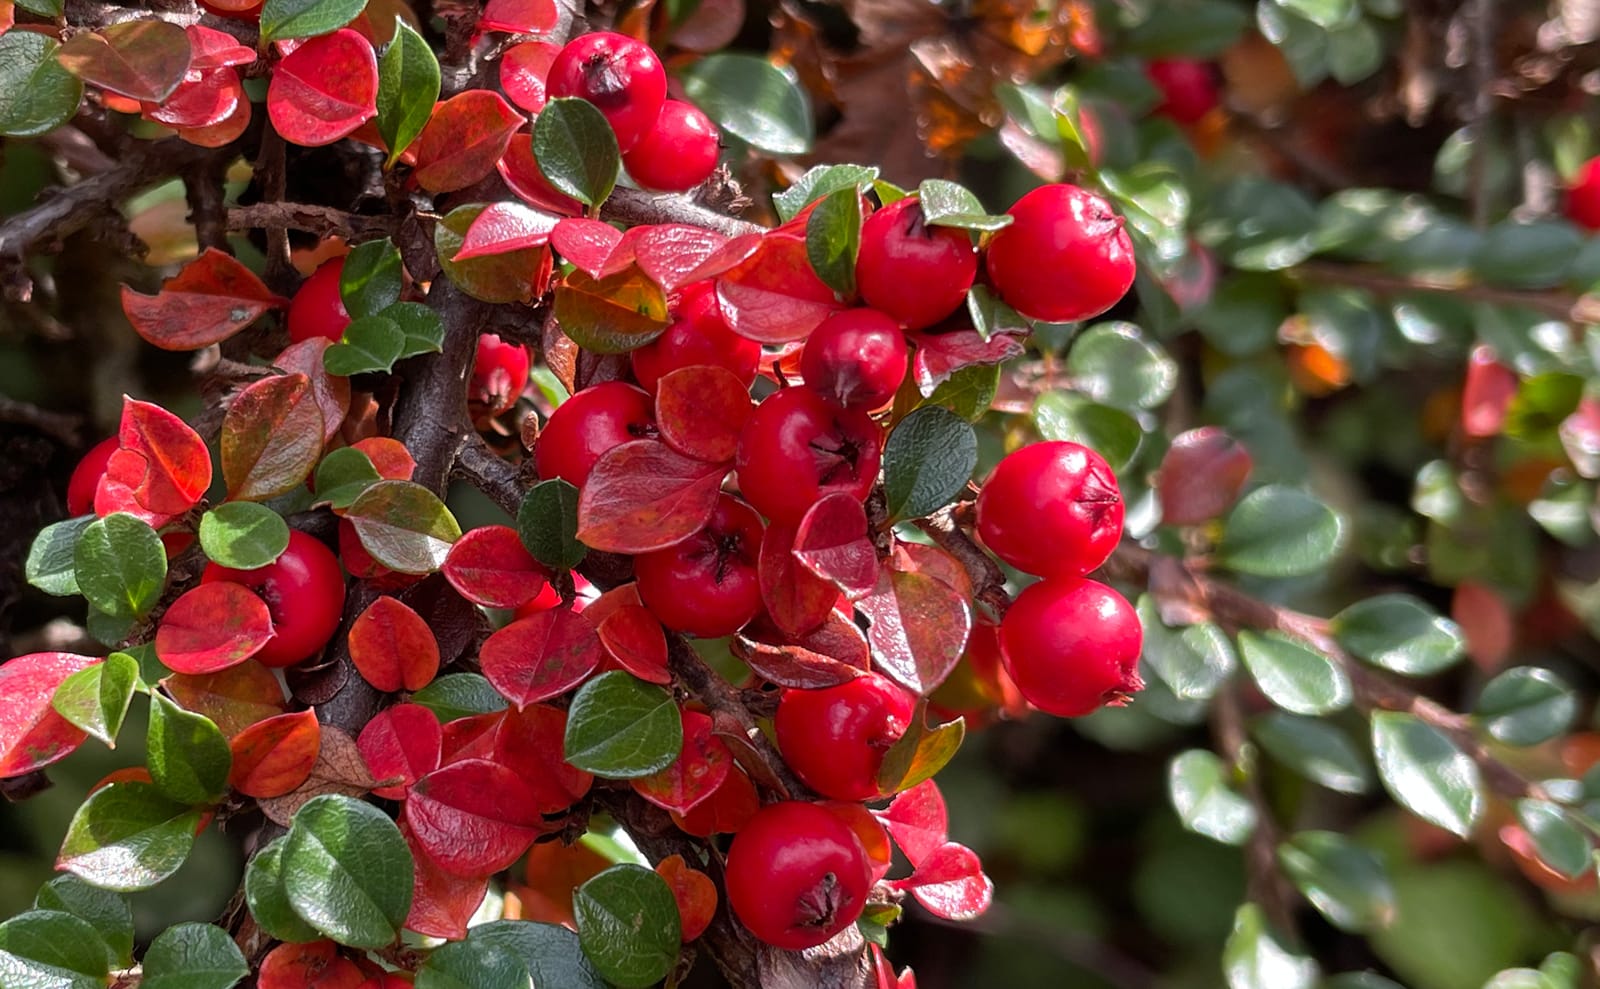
(1267, 886)
(988, 580)
(202, 187)
(491, 474)
(1567, 306)
(634, 207)
(1480, 108)
(57, 425)
(323, 221)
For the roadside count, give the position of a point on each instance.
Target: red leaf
(643, 496)
(473, 817)
(159, 470)
(670, 252)
(796, 599)
(521, 173)
(694, 892)
(832, 542)
(462, 141)
(224, 131)
(392, 646)
(774, 295)
(700, 768)
(32, 734)
(542, 656)
(213, 49)
(725, 258)
(324, 89)
(472, 737)
(950, 883)
(919, 628)
(140, 59)
(393, 461)
(933, 561)
(590, 245)
(271, 437)
(490, 566)
(441, 903)
(316, 965)
(727, 812)
(274, 756)
(505, 227)
(529, 743)
(330, 392)
(205, 99)
(523, 70)
(401, 743)
(700, 411)
(234, 698)
(939, 355)
(1201, 475)
(918, 821)
(792, 665)
(552, 871)
(634, 638)
(212, 627)
(883, 973)
(1486, 396)
(210, 300)
(519, 17)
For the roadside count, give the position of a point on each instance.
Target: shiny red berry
(304, 591)
(85, 480)
(1065, 256)
(1052, 509)
(317, 309)
(1583, 196)
(834, 738)
(797, 875)
(678, 153)
(499, 373)
(1072, 646)
(697, 335)
(706, 585)
(1188, 88)
(855, 359)
(622, 77)
(796, 447)
(588, 424)
(916, 273)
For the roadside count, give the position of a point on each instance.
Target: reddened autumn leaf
(233, 698)
(831, 541)
(209, 300)
(694, 892)
(528, 742)
(400, 745)
(796, 599)
(212, 627)
(160, 469)
(140, 59)
(274, 756)
(541, 656)
(700, 411)
(918, 629)
(698, 771)
(392, 646)
(523, 70)
(643, 496)
(473, 817)
(32, 734)
(441, 902)
(519, 17)
(505, 227)
(324, 89)
(462, 141)
(774, 296)
(490, 566)
(271, 437)
(634, 639)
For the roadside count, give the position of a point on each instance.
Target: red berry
(1065, 256)
(855, 359)
(706, 585)
(85, 480)
(1072, 646)
(1188, 88)
(317, 309)
(678, 153)
(916, 273)
(1583, 196)
(588, 424)
(795, 448)
(797, 875)
(622, 77)
(834, 738)
(304, 591)
(697, 335)
(1052, 509)
(499, 373)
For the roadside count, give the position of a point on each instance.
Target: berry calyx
(796, 447)
(588, 424)
(1583, 196)
(317, 310)
(797, 875)
(1071, 646)
(499, 373)
(835, 738)
(304, 592)
(1188, 88)
(1065, 256)
(676, 154)
(855, 359)
(707, 584)
(85, 480)
(914, 272)
(622, 77)
(697, 335)
(1052, 509)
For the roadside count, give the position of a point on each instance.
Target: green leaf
(1253, 959)
(1197, 28)
(373, 274)
(1527, 255)
(44, 8)
(1355, 52)
(927, 460)
(1197, 783)
(1114, 364)
(550, 952)
(107, 912)
(1315, 749)
(243, 535)
(128, 836)
(268, 897)
(1279, 531)
(121, 565)
(404, 526)
(475, 963)
(752, 99)
(1541, 404)
(833, 236)
(408, 87)
(1400, 633)
(347, 871)
(949, 204)
(370, 343)
(577, 150)
(37, 93)
(1112, 433)
(1560, 841)
(1324, 13)
(51, 565)
(620, 727)
(628, 925)
(193, 956)
(1193, 662)
(1526, 705)
(1344, 881)
(459, 695)
(281, 19)
(1426, 773)
(189, 757)
(819, 181)
(547, 521)
(49, 949)
(343, 475)
(1294, 676)
(1155, 202)
(991, 316)
(96, 698)
(1259, 225)
(421, 329)
(1243, 317)
(968, 392)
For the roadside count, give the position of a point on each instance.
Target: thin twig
(323, 221)
(1567, 306)
(1267, 886)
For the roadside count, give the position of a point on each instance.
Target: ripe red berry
(1072, 646)
(797, 875)
(795, 448)
(317, 309)
(1065, 256)
(499, 373)
(697, 335)
(1052, 509)
(1188, 88)
(706, 585)
(304, 591)
(855, 359)
(1583, 196)
(914, 272)
(588, 424)
(834, 738)
(622, 77)
(678, 153)
(86, 477)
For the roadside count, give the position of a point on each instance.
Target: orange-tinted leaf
(796, 599)
(774, 295)
(213, 49)
(700, 411)
(919, 628)
(490, 566)
(473, 817)
(205, 99)
(643, 496)
(695, 892)
(918, 821)
(32, 734)
(441, 902)
(210, 300)
(727, 811)
(832, 542)
(324, 89)
(8, 15)
(529, 743)
(224, 131)
(140, 59)
(234, 698)
(330, 392)
(464, 138)
(401, 743)
(669, 252)
(314, 965)
(274, 756)
(271, 437)
(950, 883)
(634, 638)
(695, 775)
(523, 70)
(212, 627)
(519, 17)
(611, 315)
(542, 656)
(521, 172)
(392, 646)
(339, 769)
(159, 470)
(393, 461)
(505, 227)
(553, 870)
(1487, 623)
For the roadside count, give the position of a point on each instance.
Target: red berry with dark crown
(697, 335)
(1071, 646)
(796, 447)
(622, 77)
(915, 272)
(706, 585)
(855, 359)
(797, 875)
(304, 592)
(1583, 196)
(1052, 509)
(678, 153)
(835, 738)
(588, 424)
(317, 310)
(1065, 256)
